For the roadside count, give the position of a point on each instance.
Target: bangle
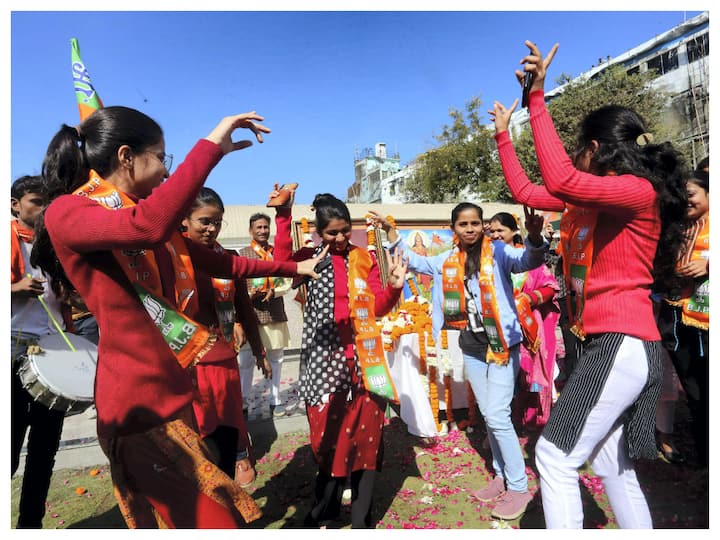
(539, 296)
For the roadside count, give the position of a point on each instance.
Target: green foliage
(612, 86)
(464, 162)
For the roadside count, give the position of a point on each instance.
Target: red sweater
(138, 383)
(626, 235)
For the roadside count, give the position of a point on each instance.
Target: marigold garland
(434, 402)
(447, 380)
(305, 229)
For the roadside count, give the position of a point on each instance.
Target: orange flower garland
(434, 402)
(305, 228)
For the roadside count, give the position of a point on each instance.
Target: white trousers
(602, 442)
(247, 368)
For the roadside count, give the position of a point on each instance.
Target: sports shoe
(492, 491)
(244, 473)
(277, 410)
(512, 505)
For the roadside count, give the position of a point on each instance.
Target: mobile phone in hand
(319, 267)
(527, 83)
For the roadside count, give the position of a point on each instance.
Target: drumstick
(57, 326)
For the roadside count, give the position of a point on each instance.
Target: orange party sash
(368, 338)
(526, 318)
(188, 340)
(225, 303)
(696, 302)
(18, 234)
(265, 254)
(453, 286)
(577, 228)
(498, 350)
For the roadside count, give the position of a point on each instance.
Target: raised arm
(522, 190)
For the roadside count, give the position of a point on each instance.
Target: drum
(59, 378)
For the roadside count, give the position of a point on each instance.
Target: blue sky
(328, 83)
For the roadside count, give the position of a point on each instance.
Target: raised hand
(397, 268)
(535, 64)
(534, 224)
(222, 134)
(501, 116)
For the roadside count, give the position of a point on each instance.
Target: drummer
(28, 322)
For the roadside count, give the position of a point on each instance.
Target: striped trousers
(614, 390)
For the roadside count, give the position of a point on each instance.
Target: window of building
(634, 70)
(698, 47)
(664, 62)
(392, 188)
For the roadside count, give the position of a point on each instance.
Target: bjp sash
(498, 351)
(265, 254)
(695, 302)
(18, 234)
(528, 323)
(577, 229)
(368, 339)
(188, 340)
(225, 303)
(453, 286)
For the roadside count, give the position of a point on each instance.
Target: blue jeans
(494, 386)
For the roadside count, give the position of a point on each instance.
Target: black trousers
(223, 443)
(689, 350)
(328, 492)
(45, 427)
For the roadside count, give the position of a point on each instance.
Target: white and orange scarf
(695, 300)
(453, 276)
(188, 340)
(577, 230)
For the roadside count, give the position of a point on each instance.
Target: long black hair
(625, 148)
(472, 259)
(70, 156)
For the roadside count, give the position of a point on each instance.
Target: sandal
(285, 198)
(669, 454)
(244, 473)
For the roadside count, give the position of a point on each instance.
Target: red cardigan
(138, 383)
(626, 235)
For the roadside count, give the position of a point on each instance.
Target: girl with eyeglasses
(110, 231)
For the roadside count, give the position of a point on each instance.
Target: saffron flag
(87, 98)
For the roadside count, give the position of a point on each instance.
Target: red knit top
(139, 383)
(626, 235)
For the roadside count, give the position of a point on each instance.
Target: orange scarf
(225, 303)
(498, 351)
(368, 339)
(453, 286)
(695, 302)
(188, 340)
(577, 228)
(18, 234)
(265, 254)
(528, 323)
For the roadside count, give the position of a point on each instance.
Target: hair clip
(644, 138)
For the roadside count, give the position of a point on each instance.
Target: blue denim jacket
(506, 260)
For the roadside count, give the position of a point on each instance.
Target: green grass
(420, 486)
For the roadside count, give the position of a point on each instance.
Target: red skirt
(217, 398)
(346, 436)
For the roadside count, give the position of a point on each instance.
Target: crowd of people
(107, 243)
